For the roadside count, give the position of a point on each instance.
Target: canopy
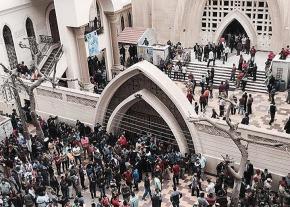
(131, 35)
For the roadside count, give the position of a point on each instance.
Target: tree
(242, 145)
(29, 88)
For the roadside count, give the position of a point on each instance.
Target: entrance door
(53, 26)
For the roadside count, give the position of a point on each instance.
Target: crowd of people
(59, 170)
(98, 73)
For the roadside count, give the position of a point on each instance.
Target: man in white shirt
(77, 154)
(176, 71)
(211, 58)
(210, 188)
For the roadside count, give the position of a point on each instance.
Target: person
(245, 119)
(210, 187)
(202, 202)
(77, 154)
(123, 54)
(196, 107)
(176, 173)
(202, 102)
(147, 189)
(134, 201)
(233, 73)
(253, 53)
(211, 58)
(288, 96)
(254, 72)
(287, 126)
(214, 114)
(190, 97)
(249, 104)
(248, 173)
(211, 199)
(195, 185)
(184, 71)
(272, 111)
(136, 178)
(176, 71)
(222, 104)
(156, 199)
(146, 42)
(175, 197)
(227, 51)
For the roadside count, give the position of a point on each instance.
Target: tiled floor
(186, 201)
(260, 117)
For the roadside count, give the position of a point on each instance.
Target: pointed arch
(243, 20)
(29, 28)
(163, 82)
(157, 105)
(122, 23)
(129, 20)
(10, 47)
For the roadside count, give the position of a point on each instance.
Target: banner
(93, 43)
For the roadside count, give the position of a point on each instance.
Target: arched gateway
(142, 94)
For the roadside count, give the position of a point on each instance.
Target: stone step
(223, 73)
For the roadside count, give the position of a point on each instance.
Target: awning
(131, 35)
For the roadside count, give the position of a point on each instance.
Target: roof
(131, 35)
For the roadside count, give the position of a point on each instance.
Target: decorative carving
(273, 141)
(81, 101)
(214, 131)
(45, 39)
(51, 94)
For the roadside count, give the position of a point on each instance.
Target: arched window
(130, 19)
(29, 28)
(31, 35)
(53, 26)
(10, 48)
(122, 23)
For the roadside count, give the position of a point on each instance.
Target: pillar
(113, 21)
(82, 57)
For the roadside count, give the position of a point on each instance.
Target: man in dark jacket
(287, 126)
(156, 199)
(272, 112)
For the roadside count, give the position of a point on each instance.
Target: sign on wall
(93, 43)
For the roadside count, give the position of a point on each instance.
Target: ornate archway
(144, 94)
(169, 99)
(243, 20)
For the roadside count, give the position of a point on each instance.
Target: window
(10, 48)
(122, 23)
(130, 20)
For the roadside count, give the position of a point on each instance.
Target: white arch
(244, 21)
(157, 105)
(47, 12)
(163, 82)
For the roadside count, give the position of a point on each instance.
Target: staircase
(223, 73)
(48, 65)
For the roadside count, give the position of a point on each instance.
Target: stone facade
(190, 21)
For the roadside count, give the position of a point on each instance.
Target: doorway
(53, 26)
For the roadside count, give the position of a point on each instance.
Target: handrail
(48, 41)
(58, 54)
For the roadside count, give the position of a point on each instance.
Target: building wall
(180, 20)
(14, 16)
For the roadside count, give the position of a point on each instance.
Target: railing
(58, 55)
(48, 42)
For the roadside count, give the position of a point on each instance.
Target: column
(113, 20)
(82, 57)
